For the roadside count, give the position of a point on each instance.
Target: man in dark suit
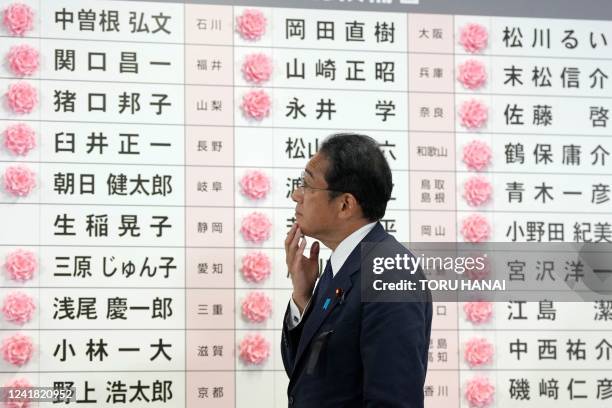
(337, 350)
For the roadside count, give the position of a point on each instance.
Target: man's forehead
(314, 167)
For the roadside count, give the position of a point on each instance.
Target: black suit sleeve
(394, 347)
(290, 340)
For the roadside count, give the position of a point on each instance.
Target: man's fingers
(296, 257)
(295, 241)
(302, 247)
(314, 251)
(290, 235)
(292, 248)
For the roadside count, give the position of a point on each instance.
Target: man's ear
(348, 205)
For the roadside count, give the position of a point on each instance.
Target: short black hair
(356, 165)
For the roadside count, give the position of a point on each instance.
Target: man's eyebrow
(309, 173)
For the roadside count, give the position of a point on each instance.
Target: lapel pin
(340, 294)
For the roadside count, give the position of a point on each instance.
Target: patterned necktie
(323, 285)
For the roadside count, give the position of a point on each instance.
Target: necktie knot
(328, 269)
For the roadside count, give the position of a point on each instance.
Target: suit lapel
(343, 280)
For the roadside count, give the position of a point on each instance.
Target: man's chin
(304, 228)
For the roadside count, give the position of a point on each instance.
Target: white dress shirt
(338, 257)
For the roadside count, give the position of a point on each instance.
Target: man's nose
(296, 195)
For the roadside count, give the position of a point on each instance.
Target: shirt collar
(344, 249)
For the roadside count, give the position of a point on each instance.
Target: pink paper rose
(23, 60)
(22, 97)
(19, 384)
(18, 308)
(256, 104)
(478, 352)
(473, 114)
(18, 18)
(255, 185)
(256, 267)
(472, 74)
(19, 180)
(256, 228)
(476, 273)
(17, 349)
(473, 37)
(475, 228)
(251, 24)
(477, 191)
(257, 68)
(477, 155)
(21, 265)
(19, 139)
(478, 312)
(254, 349)
(256, 307)
(479, 392)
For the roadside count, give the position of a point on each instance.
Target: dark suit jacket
(354, 353)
